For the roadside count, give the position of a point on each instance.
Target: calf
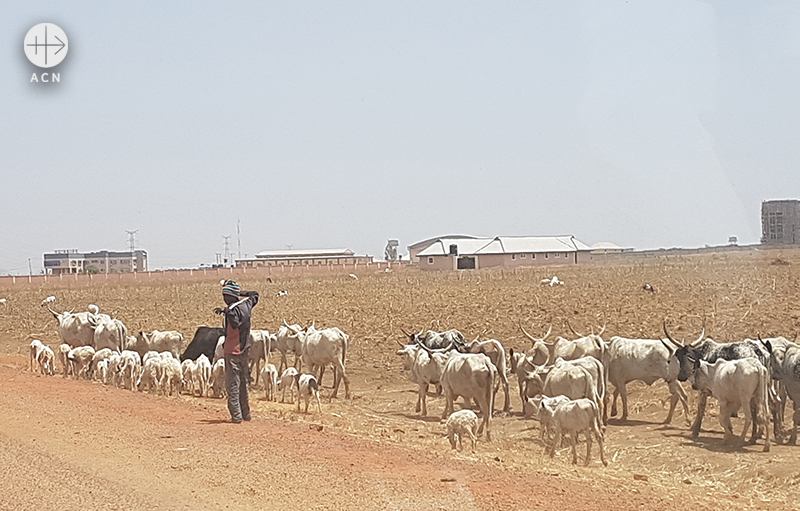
(218, 378)
(578, 416)
(151, 375)
(542, 409)
(269, 375)
(307, 387)
(171, 376)
(63, 359)
(46, 360)
(80, 359)
(36, 348)
(130, 366)
(288, 382)
(188, 369)
(460, 424)
(735, 383)
(202, 375)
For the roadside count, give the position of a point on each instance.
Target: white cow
(426, 367)
(75, 329)
(497, 354)
(577, 416)
(736, 384)
(646, 360)
(259, 351)
(109, 333)
(307, 388)
(322, 347)
(288, 340)
(171, 341)
(470, 376)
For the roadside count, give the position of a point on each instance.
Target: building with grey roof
(465, 253)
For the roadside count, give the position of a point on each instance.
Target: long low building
(306, 257)
(467, 253)
(104, 261)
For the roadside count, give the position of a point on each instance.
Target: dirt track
(75, 445)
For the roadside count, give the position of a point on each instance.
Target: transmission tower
(239, 238)
(226, 249)
(132, 240)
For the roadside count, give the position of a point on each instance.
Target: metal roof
(322, 252)
(429, 241)
(507, 245)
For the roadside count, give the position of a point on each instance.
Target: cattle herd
(563, 383)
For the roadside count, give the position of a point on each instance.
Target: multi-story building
(780, 222)
(104, 261)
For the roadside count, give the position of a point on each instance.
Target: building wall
(780, 222)
(447, 262)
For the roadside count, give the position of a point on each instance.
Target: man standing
(237, 346)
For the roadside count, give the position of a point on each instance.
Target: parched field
(736, 295)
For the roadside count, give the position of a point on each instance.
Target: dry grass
(737, 295)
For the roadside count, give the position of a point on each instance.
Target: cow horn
(669, 336)
(400, 343)
(529, 336)
(602, 330)
(72, 310)
(549, 331)
(286, 324)
(407, 334)
(573, 330)
(702, 334)
(670, 349)
(54, 313)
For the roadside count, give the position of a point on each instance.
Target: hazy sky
(343, 124)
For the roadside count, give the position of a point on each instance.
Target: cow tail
(344, 347)
(764, 382)
(123, 331)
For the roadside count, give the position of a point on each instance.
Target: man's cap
(230, 288)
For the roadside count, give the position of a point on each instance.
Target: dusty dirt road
(75, 445)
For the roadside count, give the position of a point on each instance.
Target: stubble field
(736, 295)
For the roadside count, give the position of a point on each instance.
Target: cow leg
(423, 392)
(556, 441)
(623, 394)
(573, 440)
(725, 422)
(677, 394)
(757, 431)
(614, 402)
(795, 423)
(702, 398)
(588, 435)
(338, 366)
(448, 405)
(748, 419)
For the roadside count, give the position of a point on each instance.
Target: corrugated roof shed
(322, 252)
(506, 245)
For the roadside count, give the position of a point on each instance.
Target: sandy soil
(79, 445)
(70, 445)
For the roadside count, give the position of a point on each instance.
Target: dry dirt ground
(70, 445)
